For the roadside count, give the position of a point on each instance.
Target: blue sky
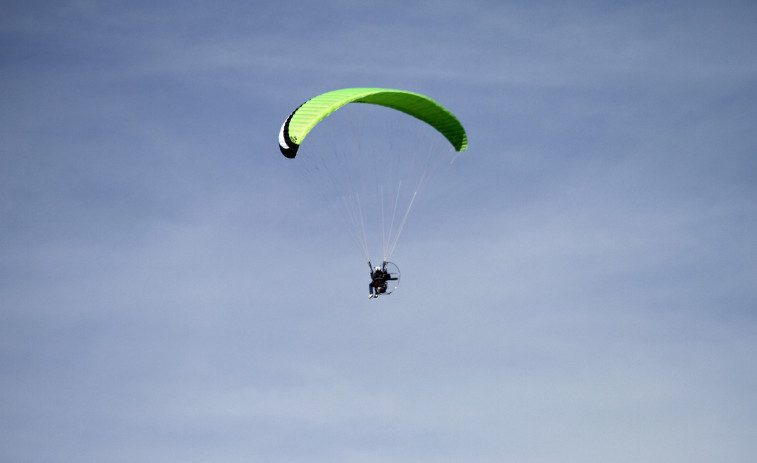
(579, 286)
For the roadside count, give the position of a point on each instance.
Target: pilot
(377, 285)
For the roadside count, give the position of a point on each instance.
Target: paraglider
(380, 186)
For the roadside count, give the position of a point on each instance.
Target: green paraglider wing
(304, 118)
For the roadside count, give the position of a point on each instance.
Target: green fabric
(316, 109)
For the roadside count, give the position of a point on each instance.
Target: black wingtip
(289, 151)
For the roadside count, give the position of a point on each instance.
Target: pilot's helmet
(378, 269)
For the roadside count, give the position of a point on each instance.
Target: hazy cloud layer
(578, 286)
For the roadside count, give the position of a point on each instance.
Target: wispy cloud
(577, 286)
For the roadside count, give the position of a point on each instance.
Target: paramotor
(373, 176)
